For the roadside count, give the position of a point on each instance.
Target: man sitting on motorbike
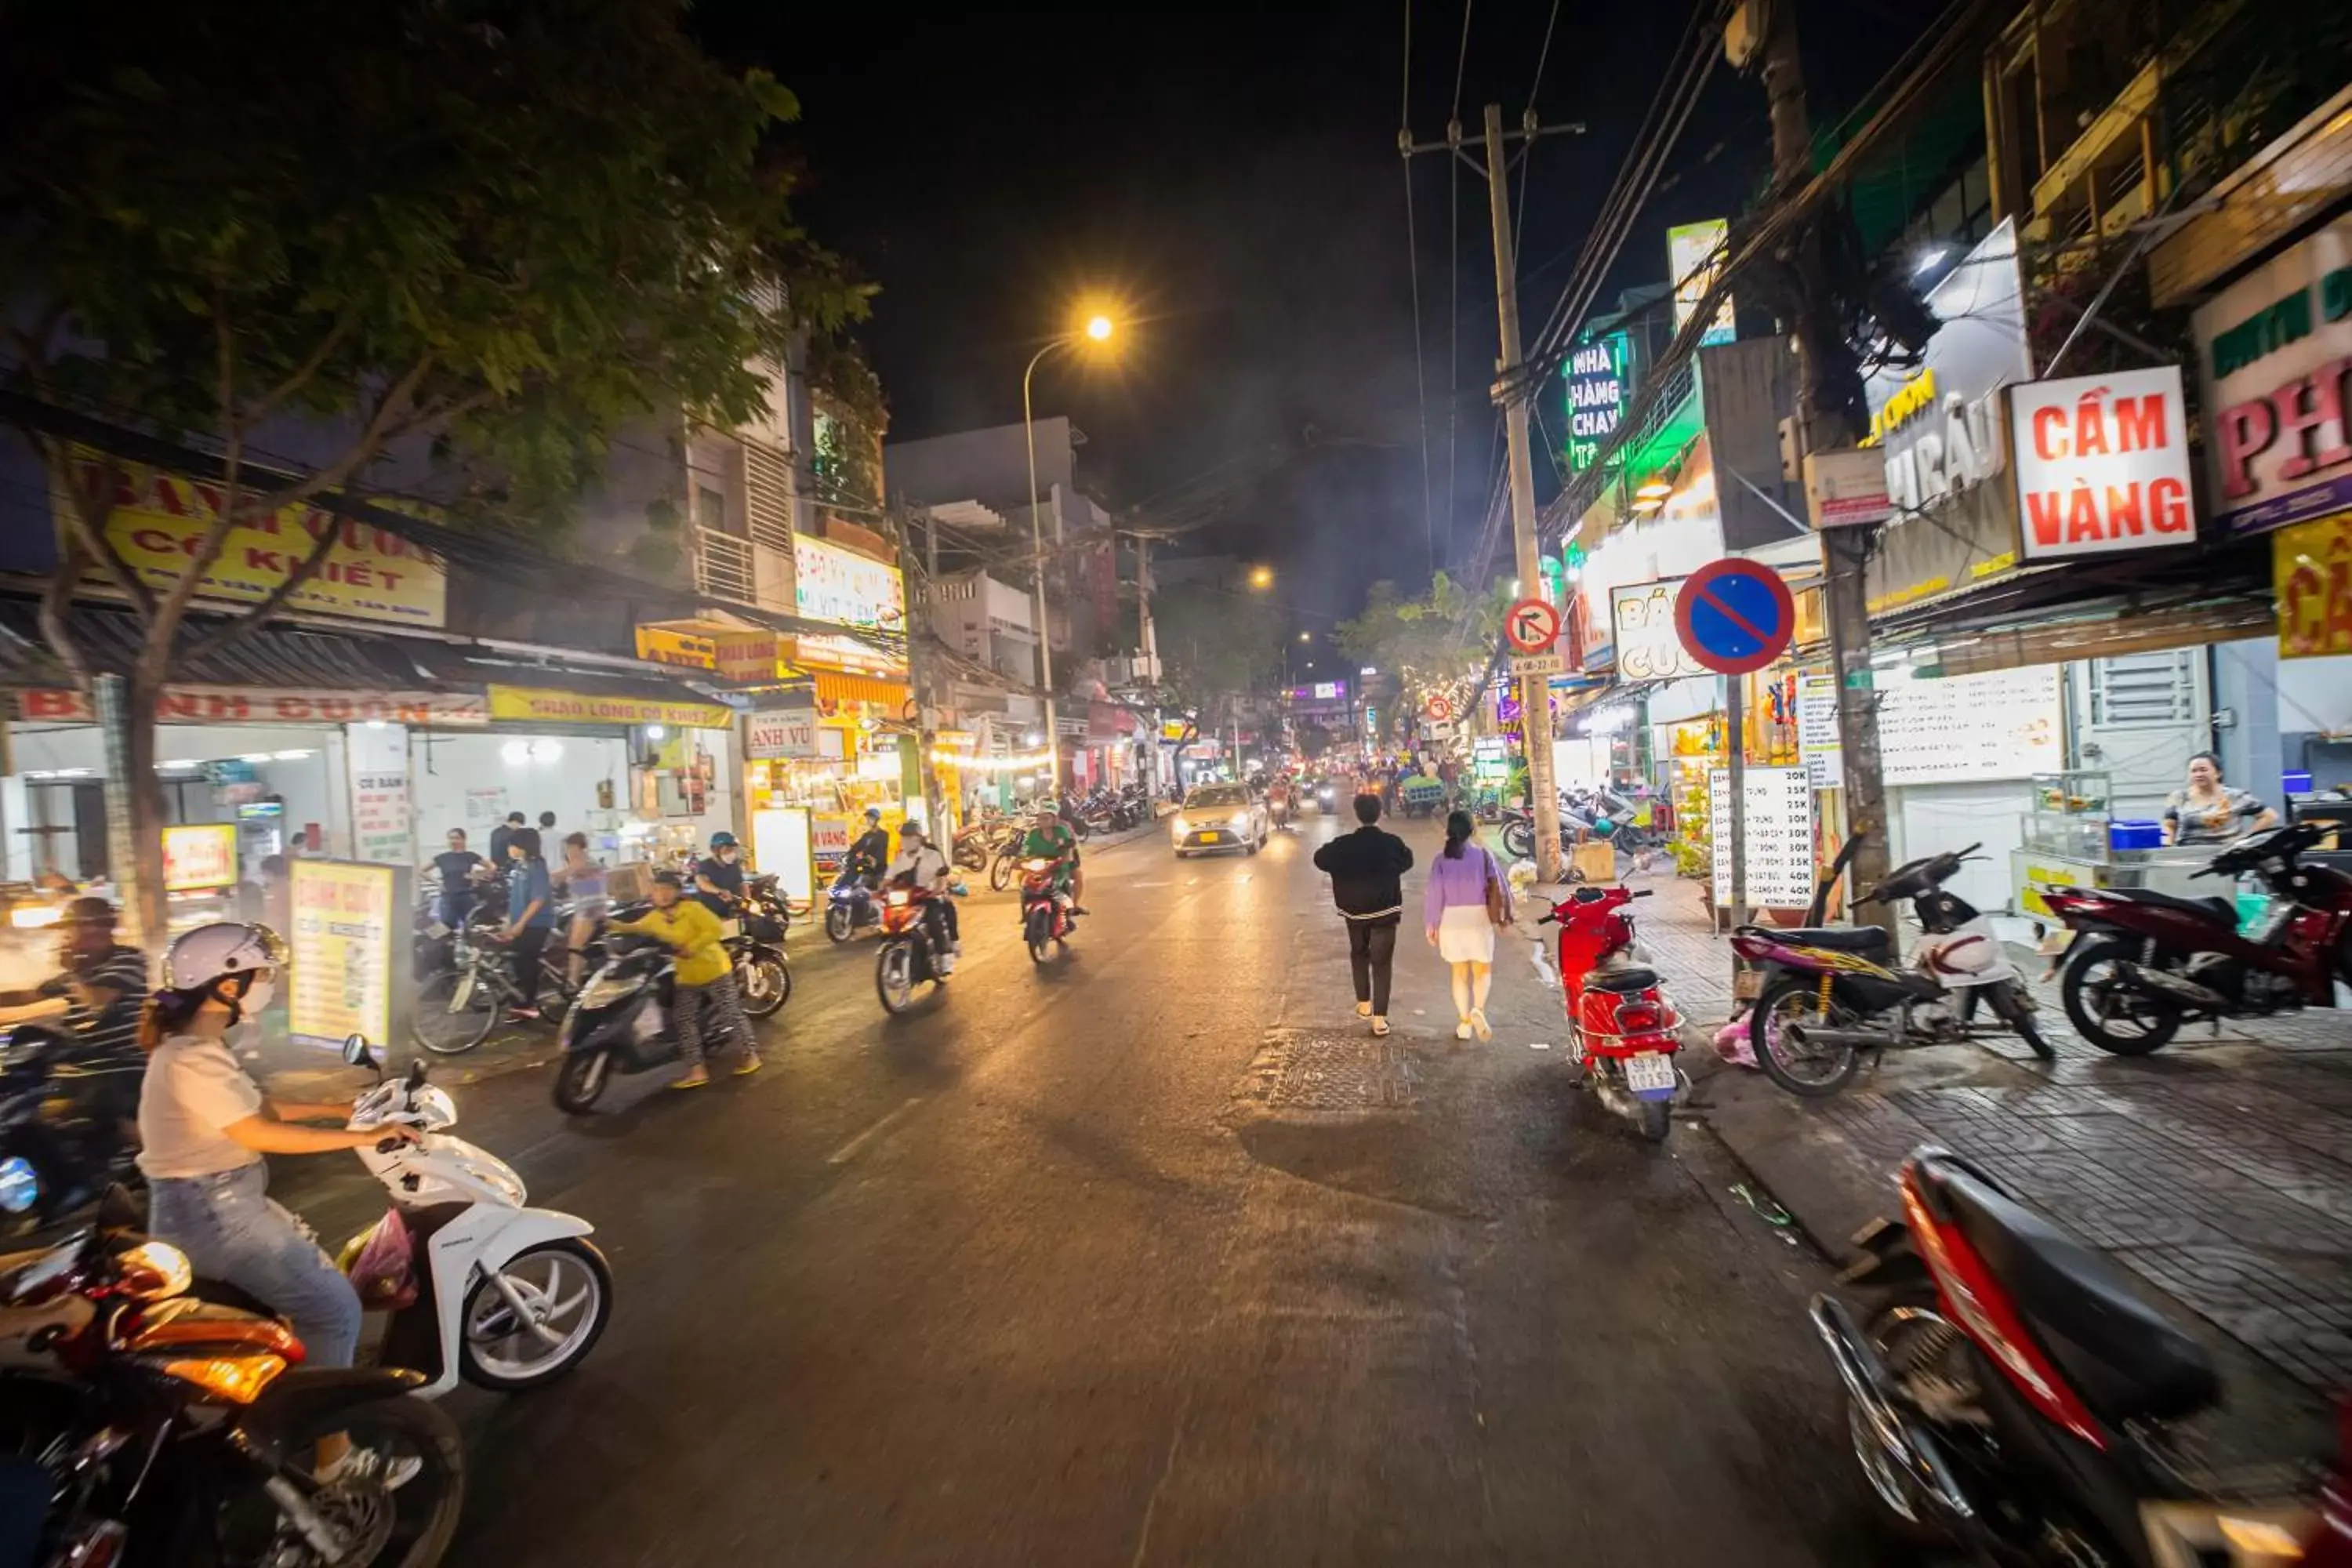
(104, 985)
(920, 866)
(871, 852)
(1050, 838)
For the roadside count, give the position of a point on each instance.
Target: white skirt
(1464, 934)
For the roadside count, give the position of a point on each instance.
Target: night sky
(1231, 174)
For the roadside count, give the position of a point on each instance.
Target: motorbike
(910, 955)
(619, 1022)
(61, 1133)
(2142, 964)
(181, 1432)
(763, 975)
(1834, 995)
(519, 1295)
(850, 905)
(2013, 1390)
(1044, 912)
(1623, 1031)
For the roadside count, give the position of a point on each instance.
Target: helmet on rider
(232, 961)
(723, 844)
(873, 813)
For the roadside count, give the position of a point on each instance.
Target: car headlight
(1241, 819)
(1181, 826)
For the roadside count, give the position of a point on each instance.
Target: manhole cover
(1333, 1073)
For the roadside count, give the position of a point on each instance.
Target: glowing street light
(1261, 577)
(1305, 637)
(1098, 329)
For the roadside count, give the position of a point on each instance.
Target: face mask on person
(259, 991)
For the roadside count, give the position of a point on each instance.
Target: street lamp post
(1097, 329)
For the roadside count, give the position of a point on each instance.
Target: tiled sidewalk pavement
(2220, 1169)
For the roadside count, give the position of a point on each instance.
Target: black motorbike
(763, 974)
(620, 1022)
(850, 905)
(62, 1141)
(183, 1433)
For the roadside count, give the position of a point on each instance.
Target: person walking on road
(1367, 870)
(1468, 899)
(707, 1003)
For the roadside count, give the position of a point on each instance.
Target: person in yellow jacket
(707, 1001)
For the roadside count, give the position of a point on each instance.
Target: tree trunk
(126, 711)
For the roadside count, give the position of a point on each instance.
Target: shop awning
(833, 686)
(273, 657)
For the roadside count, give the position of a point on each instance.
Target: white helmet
(198, 958)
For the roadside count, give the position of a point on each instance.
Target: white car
(1220, 817)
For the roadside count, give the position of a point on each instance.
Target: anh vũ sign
(2102, 463)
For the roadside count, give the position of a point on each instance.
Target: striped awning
(835, 686)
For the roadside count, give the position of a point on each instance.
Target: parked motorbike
(619, 1022)
(2142, 964)
(178, 1431)
(763, 976)
(62, 1141)
(910, 953)
(1835, 996)
(1622, 1032)
(1044, 912)
(2013, 1390)
(850, 905)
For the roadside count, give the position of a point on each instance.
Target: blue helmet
(722, 839)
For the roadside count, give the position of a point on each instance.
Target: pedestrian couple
(1468, 899)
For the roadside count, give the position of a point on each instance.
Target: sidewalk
(2219, 1169)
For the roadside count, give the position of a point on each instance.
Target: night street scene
(1378, 784)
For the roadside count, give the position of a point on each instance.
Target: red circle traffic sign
(1532, 626)
(1439, 710)
(1735, 617)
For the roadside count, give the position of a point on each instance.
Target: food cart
(2070, 839)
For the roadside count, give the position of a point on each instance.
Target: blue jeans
(231, 1231)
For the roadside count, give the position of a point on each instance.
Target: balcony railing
(723, 567)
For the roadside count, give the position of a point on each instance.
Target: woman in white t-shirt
(204, 1126)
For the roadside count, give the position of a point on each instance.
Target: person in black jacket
(1367, 870)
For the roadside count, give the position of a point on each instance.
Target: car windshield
(1218, 795)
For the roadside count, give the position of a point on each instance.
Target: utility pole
(1511, 391)
(1827, 362)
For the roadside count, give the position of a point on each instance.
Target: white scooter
(519, 1291)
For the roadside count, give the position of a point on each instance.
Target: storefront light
(657, 732)
(177, 765)
(287, 756)
(515, 754)
(254, 757)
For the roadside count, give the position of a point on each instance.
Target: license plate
(1650, 1070)
(1210, 837)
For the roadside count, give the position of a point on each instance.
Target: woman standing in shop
(2209, 811)
(1468, 899)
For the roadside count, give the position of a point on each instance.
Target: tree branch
(163, 630)
(55, 601)
(86, 521)
(388, 420)
(236, 627)
(301, 375)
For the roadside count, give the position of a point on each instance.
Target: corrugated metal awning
(274, 657)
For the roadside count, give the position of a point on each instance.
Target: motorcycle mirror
(360, 1053)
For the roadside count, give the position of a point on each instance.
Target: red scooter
(1622, 1032)
(2142, 964)
(2013, 1390)
(1044, 912)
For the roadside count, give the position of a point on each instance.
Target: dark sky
(1231, 172)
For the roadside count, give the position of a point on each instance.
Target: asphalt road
(1149, 1255)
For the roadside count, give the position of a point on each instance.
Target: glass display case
(2069, 816)
(2070, 839)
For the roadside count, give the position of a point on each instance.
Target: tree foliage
(480, 235)
(1437, 645)
(1218, 648)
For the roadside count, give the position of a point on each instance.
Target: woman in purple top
(1455, 914)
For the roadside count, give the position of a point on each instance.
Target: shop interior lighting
(657, 732)
(514, 753)
(1656, 490)
(287, 756)
(375, 724)
(254, 757)
(177, 765)
(1929, 259)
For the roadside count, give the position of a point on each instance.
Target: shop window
(2144, 689)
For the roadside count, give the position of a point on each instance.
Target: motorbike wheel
(2092, 986)
(1000, 872)
(1518, 840)
(2014, 1007)
(579, 1082)
(570, 1292)
(445, 1027)
(1038, 933)
(766, 984)
(838, 922)
(1796, 1001)
(1656, 1119)
(410, 1528)
(1917, 1345)
(970, 856)
(894, 977)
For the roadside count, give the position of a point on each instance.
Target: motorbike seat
(1837, 939)
(1622, 981)
(2220, 910)
(2124, 1354)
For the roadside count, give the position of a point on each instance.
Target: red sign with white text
(252, 705)
(2102, 464)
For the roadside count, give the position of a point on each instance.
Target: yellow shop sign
(536, 705)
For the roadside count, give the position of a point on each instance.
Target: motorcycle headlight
(899, 899)
(20, 1185)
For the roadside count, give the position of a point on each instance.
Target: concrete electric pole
(1826, 360)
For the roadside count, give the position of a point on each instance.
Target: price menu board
(2001, 725)
(1778, 824)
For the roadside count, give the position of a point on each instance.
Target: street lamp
(1098, 329)
(1261, 577)
(1305, 637)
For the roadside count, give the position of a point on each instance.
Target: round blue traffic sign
(1735, 616)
